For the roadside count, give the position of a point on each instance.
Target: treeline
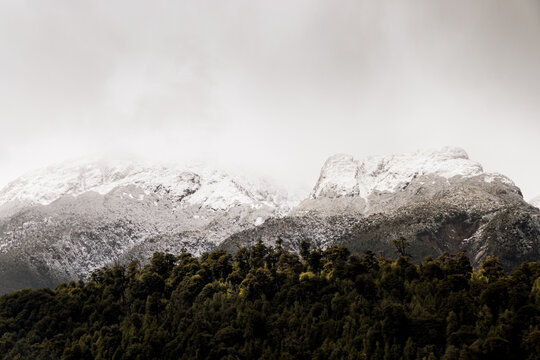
(269, 303)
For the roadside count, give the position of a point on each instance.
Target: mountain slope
(62, 222)
(440, 200)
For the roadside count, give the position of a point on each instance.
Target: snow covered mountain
(62, 222)
(439, 199)
(342, 175)
(189, 185)
(383, 183)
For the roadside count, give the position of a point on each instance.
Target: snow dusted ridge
(440, 200)
(80, 215)
(190, 185)
(344, 176)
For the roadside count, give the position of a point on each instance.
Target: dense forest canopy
(269, 303)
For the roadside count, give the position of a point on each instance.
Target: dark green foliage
(401, 244)
(269, 303)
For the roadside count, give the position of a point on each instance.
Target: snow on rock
(491, 177)
(80, 215)
(339, 177)
(192, 185)
(342, 175)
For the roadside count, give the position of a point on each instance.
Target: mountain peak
(343, 175)
(194, 184)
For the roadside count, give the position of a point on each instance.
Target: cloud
(276, 87)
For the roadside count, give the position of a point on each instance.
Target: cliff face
(385, 183)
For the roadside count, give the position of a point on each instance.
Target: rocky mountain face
(62, 222)
(439, 200)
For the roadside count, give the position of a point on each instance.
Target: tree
(401, 244)
(270, 303)
(304, 250)
(491, 268)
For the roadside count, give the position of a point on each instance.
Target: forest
(267, 302)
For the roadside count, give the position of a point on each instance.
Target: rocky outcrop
(385, 183)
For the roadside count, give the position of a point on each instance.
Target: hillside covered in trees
(269, 303)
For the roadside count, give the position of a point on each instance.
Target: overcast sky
(273, 86)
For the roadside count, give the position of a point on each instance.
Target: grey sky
(274, 86)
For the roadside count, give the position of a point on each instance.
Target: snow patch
(198, 185)
(491, 177)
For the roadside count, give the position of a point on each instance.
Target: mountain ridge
(374, 184)
(62, 222)
(367, 204)
(99, 213)
(43, 186)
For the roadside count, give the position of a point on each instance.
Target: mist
(273, 87)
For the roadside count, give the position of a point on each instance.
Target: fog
(274, 87)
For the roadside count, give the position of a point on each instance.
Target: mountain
(440, 200)
(384, 183)
(61, 222)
